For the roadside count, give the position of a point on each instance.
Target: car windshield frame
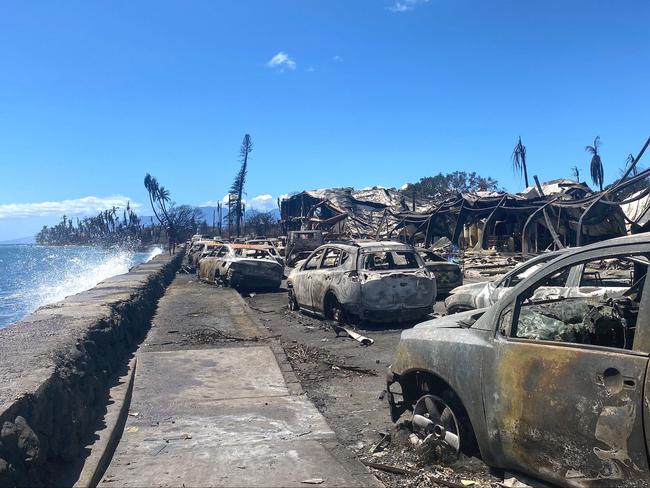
(361, 265)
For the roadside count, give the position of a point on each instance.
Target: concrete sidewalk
(221, 416)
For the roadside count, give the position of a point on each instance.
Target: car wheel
(228, 280)
(432, 415)
(293, 303)
(334, 311)
(445, 418)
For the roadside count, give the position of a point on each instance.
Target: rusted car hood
(462, 320)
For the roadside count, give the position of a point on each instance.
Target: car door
(557, 407)
(302, 279)
(321, 278)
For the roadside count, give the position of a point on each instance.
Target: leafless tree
(575, 173)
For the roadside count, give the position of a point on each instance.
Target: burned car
(270, 245)
(374, 281)
(448, 274)
(484, 294)
(200, 249)
(241, 266)
(300, 243)
(550, 384)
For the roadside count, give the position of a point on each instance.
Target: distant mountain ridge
(20, 240)
(207, 214)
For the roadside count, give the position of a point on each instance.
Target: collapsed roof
(553, 214)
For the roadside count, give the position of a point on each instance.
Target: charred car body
(374, 281)
(200, 249)
(271, 245)
(550, 384)
(241, 266)
(448, 274)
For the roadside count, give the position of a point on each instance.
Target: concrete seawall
(56, 366)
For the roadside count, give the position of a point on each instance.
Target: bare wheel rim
(439, 419)
(293, 305)
(336, 313)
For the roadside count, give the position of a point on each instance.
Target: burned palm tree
(629, 162)
(596, 165)
(519, 160)
(237, 188)
(575, 173)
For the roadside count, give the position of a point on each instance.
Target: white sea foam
(83, 274)
(40, 276)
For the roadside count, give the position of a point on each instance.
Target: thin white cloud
(405, 5)
(77, 206)
(282, 61)
(263, 203)
(337, 59)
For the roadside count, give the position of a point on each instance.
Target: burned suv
(374, 281)
(241, 266)
(551, 380)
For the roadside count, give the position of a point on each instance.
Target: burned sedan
(241, 266)
(553, 385)
(374, 281)
(200, 249)
(448, 275)
(479, 295)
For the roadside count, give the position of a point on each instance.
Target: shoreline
(56, 365)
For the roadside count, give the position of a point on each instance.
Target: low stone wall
(56, 365)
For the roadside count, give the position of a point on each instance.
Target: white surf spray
(44, 275)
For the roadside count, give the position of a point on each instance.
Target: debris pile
(555, 214)
(401, 459)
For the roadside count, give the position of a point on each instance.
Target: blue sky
(362, 92)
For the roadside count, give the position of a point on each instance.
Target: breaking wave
(32, 276)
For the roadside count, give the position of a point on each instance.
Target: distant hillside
(207, 213)
(21, 240)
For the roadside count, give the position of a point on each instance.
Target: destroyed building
(554, 214)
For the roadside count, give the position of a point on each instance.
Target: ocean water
(32, 276)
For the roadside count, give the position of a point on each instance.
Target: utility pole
(229, 216)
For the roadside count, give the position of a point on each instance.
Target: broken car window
(312, 263)
(601, 311)
(331, 258)
(390, 260)
(252, 253)
(432, 257)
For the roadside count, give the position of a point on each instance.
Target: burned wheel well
(417, 383)
(329, 300)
